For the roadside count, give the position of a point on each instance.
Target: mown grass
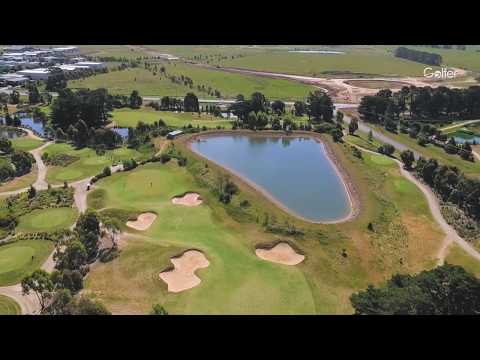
(130, 118)
(47, 220)
(21, 258)
(8, 306)
(89, 163)
(405, 239)
(25, 144)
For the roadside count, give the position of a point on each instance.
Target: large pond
(462, 137)
(29, 122)
(295, 172)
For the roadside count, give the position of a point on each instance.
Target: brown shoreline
(352, 194)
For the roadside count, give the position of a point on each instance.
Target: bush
(164, 158)
(386, 149)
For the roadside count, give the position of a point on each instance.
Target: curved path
(450, 233)
(29, 304)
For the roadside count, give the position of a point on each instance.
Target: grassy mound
(8, 306)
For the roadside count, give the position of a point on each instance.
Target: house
(173, 134)
(35, 74)
(92, 64)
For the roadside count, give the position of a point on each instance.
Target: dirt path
(460, 124)
(450, 233)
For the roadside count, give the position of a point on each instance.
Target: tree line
(418, 56)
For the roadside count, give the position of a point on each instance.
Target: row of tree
(418, 56)
(424, 103)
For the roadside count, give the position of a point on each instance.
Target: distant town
(20, 64)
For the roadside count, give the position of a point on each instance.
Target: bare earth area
(189, 199)
(183, 277)
(282, 253)
(143, 222)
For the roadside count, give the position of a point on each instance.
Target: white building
(13, 79)
(72, 67)
(92, 65)
(66, 50)
(35, 74)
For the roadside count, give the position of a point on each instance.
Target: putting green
(16, 259)
(47, 220)
(8, 306)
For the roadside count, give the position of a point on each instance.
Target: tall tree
(190, 103)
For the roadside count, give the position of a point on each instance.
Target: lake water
(123, 132)
(36, 125)
(294, 171)
(462, 138)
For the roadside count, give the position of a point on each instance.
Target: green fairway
(22, 257)
(47, 220)
(25, 144)
(229, 85)
(237, 282)
(8, 306)
(90, 163)
(130, 118)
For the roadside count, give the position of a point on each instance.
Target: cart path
(450, 233)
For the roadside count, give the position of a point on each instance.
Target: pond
(123, 132)
(294, 172)
(462, 137)
(31, 123)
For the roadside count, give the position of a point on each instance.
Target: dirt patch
(143, 222)
(281, 253)
(188, 199)
(182, 277)
(376, 84)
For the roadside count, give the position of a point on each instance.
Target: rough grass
(130, 118)
(47, 220)
(237, 282)
(8, 306)
(89, 163)
(458, 256)
(20, 182)
(16, 259)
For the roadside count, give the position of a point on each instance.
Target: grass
(229, 85)
(237, 282)
(16, 259)
(25, 144)
(47, 220)
(458, 256)
(90, 163)
(130, 118)
(431, 151)
(8, 306)
(367, 62)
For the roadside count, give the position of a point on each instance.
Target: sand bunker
(281, 253)
(183, 277)
(143, 221)
(189, 199)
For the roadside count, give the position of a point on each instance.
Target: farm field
(8, 306)
(20, 258)
(50, 219)
(124, 82)
(354, 62)
(130, 118)
(237, 282)
(89, 163)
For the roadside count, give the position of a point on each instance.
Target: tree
(278, 107)
(408, 158)
(386, 149)
(73, 257)
(370, 136)
(320, 106)
(339, 118)
(300, 108)
(258, 102)
(32, 192)
(190, 103)
(135, 100)
(445, 290)
(34, 95)
(58, 305)
(85, 306)
(56, 80)
(23, 162)
(88, 229)
(40, 284)
(158, 309)
(6, 146)
(68, 279)
(353, 126)
(14, 97)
